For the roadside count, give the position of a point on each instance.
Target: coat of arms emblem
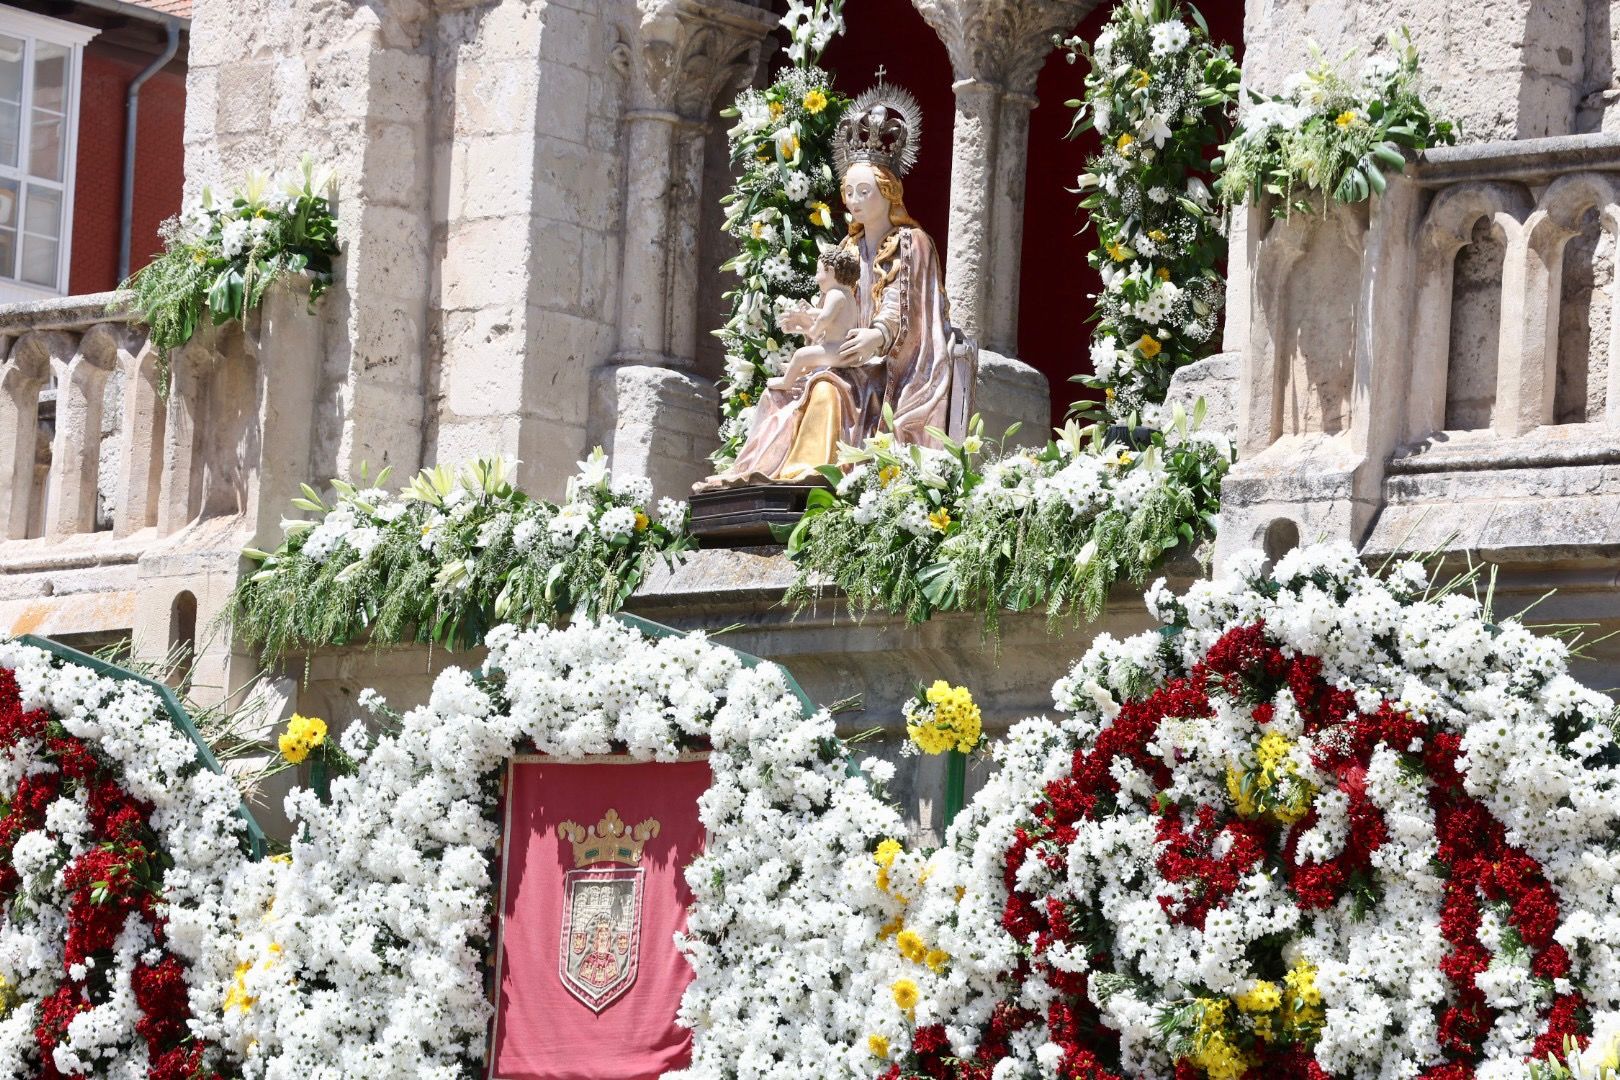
(601, 920)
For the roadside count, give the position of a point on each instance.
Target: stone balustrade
(125, 504)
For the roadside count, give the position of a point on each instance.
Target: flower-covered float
(1322, 824)
(112, 832)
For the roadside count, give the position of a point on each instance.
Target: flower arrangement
(780, 212)
(1322, 824)
(112, 834)
(453, 554)
(775, 935)
(1159, 95)
(914, 531)
(943, 717)
(220, 257)
(1328, 133)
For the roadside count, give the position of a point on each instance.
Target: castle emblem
(602, 897)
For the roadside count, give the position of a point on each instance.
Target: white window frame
(33, 28)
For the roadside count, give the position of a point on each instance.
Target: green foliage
(781, 214)
(914, 531)
(452, 556)
(1332, 135)
(220, 259)
(1160, 95)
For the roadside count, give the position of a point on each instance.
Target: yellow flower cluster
(814, 102)
(1214, 1051)
(1275, 787)
(905, 993)
(913, 948)
(1292, 1011)
(303, 734)
(952, 721)
(9, 998)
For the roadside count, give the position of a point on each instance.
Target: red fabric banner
(592, 895)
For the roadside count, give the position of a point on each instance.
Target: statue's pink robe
(923, 378)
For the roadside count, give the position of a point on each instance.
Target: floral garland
(780, 212)
(111, 841)
(1321, 825)
(452, 555)
(403, 851)
(1327, 133)
(914, 530)
(220, 258)
(1159, 95)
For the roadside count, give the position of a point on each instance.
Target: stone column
(997, 50)
(649, 408)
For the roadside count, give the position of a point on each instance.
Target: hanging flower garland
(402, 853)
(453, 554)
(1159, 95)
(112, 836)
(781, 212)
(915, 530)
(1330, 133)
(222, 256)
(1322, 825)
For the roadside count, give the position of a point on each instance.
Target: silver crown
(883, 127)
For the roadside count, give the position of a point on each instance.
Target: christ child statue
(835, 315)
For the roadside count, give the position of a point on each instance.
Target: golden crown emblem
(609, 840)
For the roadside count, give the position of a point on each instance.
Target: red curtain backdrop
(1054, 301)
(542, 1031)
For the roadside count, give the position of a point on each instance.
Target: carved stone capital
(1003, 43)
(684, 55)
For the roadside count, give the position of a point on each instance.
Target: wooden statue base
(742, 516)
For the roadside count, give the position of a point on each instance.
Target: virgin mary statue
(903, 351)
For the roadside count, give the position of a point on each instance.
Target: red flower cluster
(119, 876)
(1482, 868)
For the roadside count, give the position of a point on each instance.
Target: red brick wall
(1054, 304)
(98, 179)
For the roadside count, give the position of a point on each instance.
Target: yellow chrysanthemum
(777, 109)
(888, 475)
(936, 959)
(821, 215)
(642, 521)
(814, 102)
(886, 851)
(1142, 78)
(940, 519)
(1124, 143)
(1148, 346)
(237, 996)
(911, 946)
(303, 734)
(1348, 118)
(1162, 273)
(892, 927)
(1262, 997)
(878, 1045)
(1117, 251)
(905, 993)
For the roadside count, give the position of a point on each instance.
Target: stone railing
(124, 508)
(1462, 321)
(81, 424)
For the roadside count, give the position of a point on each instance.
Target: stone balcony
(125, 507)
(1438, 370)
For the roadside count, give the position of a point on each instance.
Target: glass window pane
(44, 213)
(39, 261)
(11, 69)
(8, 228)
(50, 76)
(10, 132)
(47, 143)
(42, 226)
